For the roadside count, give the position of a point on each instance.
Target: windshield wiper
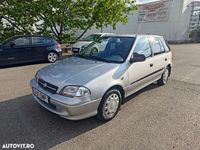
(99, 58)
(96, 58)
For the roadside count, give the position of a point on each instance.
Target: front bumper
(65, 107)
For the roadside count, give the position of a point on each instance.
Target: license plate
(75, 49)
(41, 96)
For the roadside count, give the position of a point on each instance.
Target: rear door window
(39, 41)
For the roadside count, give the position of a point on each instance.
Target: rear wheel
(52, 57)
(164, 78)
(109, 105)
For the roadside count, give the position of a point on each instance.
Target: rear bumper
(59, 54)
(69, 108)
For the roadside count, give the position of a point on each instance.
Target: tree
(15, 18)
(62, 18)
(101, 13)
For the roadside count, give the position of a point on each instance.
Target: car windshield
(109, 49)
(92, 37)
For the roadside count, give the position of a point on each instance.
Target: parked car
(28, 49)
(84, 42)
(96, 83)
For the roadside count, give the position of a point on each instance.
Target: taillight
(58, 46)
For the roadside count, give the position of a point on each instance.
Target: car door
(159, 58)
(8, 52)
(2, 59)
(19, 49)
(140, 72)
(39, 45)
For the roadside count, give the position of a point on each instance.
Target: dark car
(22, 49)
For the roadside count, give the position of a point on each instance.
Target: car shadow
(22, 120)
(31, 63)
(23, 64)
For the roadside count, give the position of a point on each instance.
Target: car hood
(79, 44)
(74, 71)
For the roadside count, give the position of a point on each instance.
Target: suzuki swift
(96, 82)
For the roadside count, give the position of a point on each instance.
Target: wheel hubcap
(165, 75)
(52, 57)
(110, 106)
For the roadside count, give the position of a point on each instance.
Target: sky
(146, 1)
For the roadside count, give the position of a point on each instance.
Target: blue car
(20, 49)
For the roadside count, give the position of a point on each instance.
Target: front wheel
(109, 105)
(164, 78)
(94, 50)
(52, 57)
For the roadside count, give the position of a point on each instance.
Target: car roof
(135, 35)
(17, 36)
(104, 33)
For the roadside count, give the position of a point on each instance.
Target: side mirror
(12, 44)
(137, 58)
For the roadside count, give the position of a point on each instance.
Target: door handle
(151, 65)
(11, 58)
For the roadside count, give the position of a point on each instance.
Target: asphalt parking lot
(160, 118)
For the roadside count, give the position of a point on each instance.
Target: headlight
(84, 46)
(72, 91)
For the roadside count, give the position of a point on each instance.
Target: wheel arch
(118, 87)
(49, 51)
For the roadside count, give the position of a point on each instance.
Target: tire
(109, 105)
(52, 57)
(94, 50)
(164, 78)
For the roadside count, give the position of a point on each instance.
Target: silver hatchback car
(96, 82)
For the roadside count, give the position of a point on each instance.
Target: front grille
(47, 86)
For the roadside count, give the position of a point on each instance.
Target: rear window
(42, 41)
